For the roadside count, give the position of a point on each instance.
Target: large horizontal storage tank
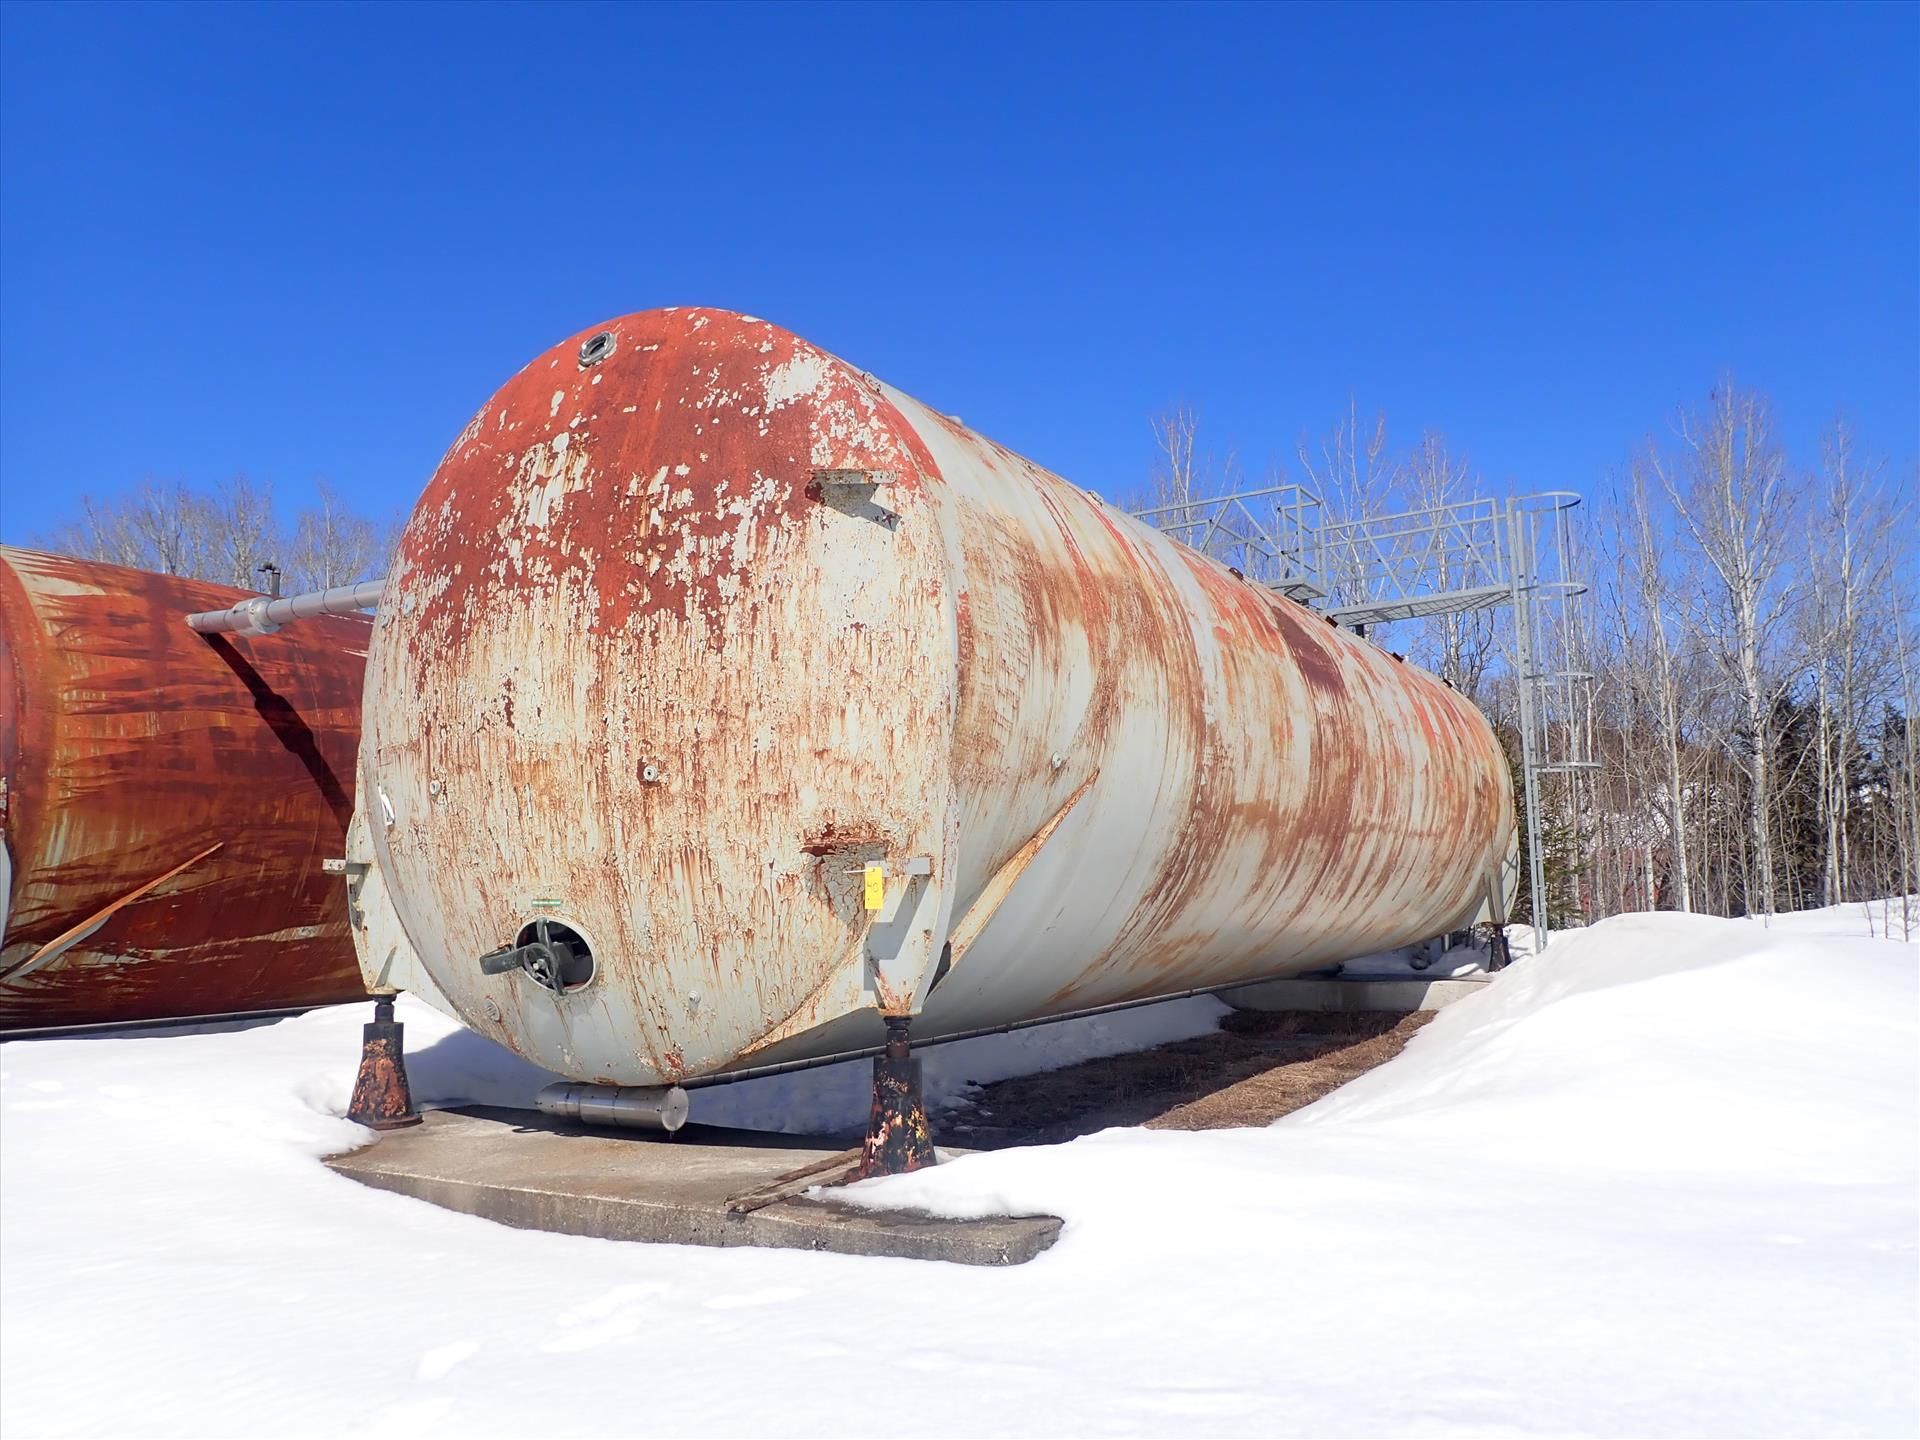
(167, 800)
(702, 644)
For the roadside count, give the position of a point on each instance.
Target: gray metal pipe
(634, 1107)
(814, 1062)
(262, 615)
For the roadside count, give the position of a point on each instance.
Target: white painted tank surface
(742, 699)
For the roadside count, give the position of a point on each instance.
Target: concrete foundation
(702, 1186)
(1391, 994)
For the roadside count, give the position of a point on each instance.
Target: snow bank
(1897, 918)
(1660, 1180)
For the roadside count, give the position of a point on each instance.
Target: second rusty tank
(167, 800)
(725, 700)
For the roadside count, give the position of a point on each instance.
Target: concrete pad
(1392, 995)
(694, 1188)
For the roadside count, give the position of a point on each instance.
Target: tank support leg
(898, 1139)
(1499, 955)
(381, 1099)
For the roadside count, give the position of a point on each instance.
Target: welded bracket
(890, 934)
(854, 491)
(882, 897)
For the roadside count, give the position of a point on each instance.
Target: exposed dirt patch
(1254, 1069)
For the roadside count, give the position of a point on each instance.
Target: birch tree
(1356, 478)
(1739, 508)
(331, 545)
(1854, 579)
(1460, 646)
(1649, 620)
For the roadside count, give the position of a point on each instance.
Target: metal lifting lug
(847, 479)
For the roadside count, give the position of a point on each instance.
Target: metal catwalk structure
(1451, 559)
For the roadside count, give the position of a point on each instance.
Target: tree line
(231, 533)
(1749, 642)
(1754, 649)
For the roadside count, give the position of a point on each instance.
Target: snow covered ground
(1660, 1180)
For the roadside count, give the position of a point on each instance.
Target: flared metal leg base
(898, 1137)
(381, 1099)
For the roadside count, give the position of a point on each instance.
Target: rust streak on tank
(134, 748)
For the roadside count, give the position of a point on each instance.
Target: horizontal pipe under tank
(632, 1107)
(761, 1072)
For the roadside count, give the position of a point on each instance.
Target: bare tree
(1853, 642)
(1904, 781)
(154, 526)
(239, 531)
(1738, 505)
(1356, 478)
(1458, 646)
(1653, 639)
(330, 545)
(1352, 470)
(1184, 482)
(1176, 468)
(225, 534)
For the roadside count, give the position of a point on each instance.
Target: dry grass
(1254, 1069)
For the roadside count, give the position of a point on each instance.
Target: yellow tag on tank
(873, 889)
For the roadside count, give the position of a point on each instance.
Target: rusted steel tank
(168, 799)
(725, 699)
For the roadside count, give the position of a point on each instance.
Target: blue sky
(305, 240)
